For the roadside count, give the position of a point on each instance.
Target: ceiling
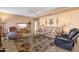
(25, 11)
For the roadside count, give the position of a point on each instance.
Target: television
(22, 25)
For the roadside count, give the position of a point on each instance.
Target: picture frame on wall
(51, 21)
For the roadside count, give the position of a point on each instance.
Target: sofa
(67, 41)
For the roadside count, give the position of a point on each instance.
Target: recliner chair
(67, 41)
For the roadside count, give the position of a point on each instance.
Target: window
(22, 25)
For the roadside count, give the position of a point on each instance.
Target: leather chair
(67, 41)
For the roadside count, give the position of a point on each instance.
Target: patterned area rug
(38, 43)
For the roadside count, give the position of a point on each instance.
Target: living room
(36, 29)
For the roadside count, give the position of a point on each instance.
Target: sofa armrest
(64, 39)
(63, 35)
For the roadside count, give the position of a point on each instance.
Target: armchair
(67, 41)
(12, 34)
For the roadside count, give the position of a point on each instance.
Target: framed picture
(51, 21)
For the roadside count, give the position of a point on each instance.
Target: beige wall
(12, 20)
(69, 18)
